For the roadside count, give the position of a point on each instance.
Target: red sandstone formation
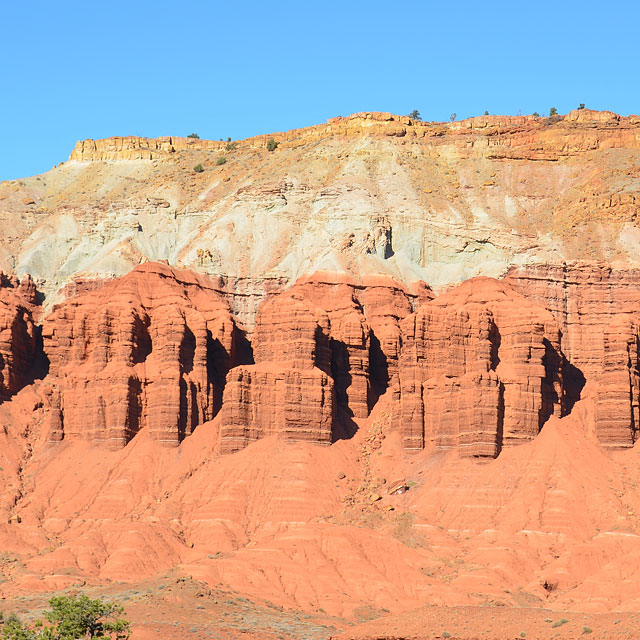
(597, 309)
(480, 369)
(319, 361)
(18, 335)
(150, 349)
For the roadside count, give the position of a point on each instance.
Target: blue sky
(74, 70)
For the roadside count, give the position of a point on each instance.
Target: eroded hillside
(371, 193)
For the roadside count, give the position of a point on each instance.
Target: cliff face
(299, 311)
(596, 306)
(477, 369)
(18, 334)
(365, 194)
(481, 368)
(324, 351)
(148, 350)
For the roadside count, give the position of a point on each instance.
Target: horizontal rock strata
(598, 309)
(150, 350)
(18, 334)
(480, 369)
(328, 346)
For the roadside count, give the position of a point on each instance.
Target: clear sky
(74, 70)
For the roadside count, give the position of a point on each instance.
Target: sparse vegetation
(559, 623)
(586, 630)
(486, 113)
(553, 112)
(198, 168)
(415, 115)
(272, 145)
(231, 146)
(221, 160)
(536, 114)
(581, 106)
(69, 618)
(453, 116)
(195, 136)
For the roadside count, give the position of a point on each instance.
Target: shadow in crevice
(500, 422)
(344, 426)
(495, 340)
(142, 345)
(378, 371)
(220, 362)
(134, 408)
(551, 384)
(40, 366)
(574, 382)
(187, 351)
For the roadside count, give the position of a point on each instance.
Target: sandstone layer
(148, 350)
(598, 309)
(481, 368)
(19, 338)
(365, 194)
(324, 352)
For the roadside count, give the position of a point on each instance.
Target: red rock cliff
(18, 339)
(480, 369)
(597, 309)
(150, 350)
(324, 351)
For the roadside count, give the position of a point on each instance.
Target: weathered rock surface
(480, 369)
(598, 309)
(324, 351)
(365, 194)
(19, 345)
(150, 350)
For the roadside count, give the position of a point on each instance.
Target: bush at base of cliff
(70, 618)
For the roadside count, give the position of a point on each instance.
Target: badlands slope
(388, 371)
(371, 193)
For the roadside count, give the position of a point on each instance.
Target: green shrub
(198, 168)
(221, 160)
(272, 145)
(586, 630)
(559, 623)
(69, 618)
(415, 115)
(231, 146)
(486, 113)
(553, 112)
(195, 136)
(536, 114)
(581, 106)
(453, 116)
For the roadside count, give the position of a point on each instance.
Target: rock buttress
(480, 369)
(151, 349)
(18, 334)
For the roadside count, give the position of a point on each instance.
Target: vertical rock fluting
(480, 369)
(18, 334)
(318, 362)
(151, 349)
(598, 309)
(288, 391)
